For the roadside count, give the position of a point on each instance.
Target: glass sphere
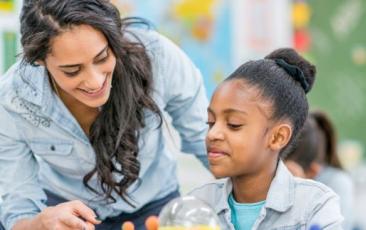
(188, 213)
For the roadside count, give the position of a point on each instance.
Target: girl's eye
(210, 123)
(234, 126)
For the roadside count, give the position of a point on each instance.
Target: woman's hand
(70, 215)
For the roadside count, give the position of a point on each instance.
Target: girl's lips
(216, 154)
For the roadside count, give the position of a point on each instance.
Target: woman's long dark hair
(115, 132)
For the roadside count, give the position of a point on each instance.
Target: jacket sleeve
(327, 213)
(22, 196)
(185, 98)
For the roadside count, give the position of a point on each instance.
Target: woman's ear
(281, 135)
(40, 62)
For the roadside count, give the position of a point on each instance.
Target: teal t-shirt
(244, 215)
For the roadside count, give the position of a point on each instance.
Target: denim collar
(280, 196)
(32, 84)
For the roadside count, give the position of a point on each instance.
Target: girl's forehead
(239, 89)
(240, 94)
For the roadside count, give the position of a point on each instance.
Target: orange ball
(152, 223)
(128, 225)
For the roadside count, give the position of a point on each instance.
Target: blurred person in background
(315, 157)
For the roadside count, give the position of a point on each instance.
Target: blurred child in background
(315, 157)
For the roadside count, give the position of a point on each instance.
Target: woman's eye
(234, 126)
(72, 74)
(102, 60)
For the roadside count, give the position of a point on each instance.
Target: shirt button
(53, 148)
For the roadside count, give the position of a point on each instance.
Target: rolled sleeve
(185, 98)
(21, 193)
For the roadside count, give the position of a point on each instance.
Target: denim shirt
(43, 147)
(291, 204)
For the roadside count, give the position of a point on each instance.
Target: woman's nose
(94, 80)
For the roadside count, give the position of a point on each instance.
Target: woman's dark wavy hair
(276, 85)
(114, 134)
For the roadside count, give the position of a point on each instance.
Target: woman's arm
(185, 98)
(21, 193)
(68, 215)
(23, 205)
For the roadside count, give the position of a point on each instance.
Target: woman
(81, 144)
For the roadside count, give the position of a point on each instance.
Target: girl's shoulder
(214, 193)
(311, 188)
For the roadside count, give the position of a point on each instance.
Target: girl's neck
(253, 188)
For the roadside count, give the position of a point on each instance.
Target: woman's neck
(253, 188)
(84, 114)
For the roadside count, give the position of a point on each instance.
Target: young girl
(315, 154)
(80, 119)
(254, 117)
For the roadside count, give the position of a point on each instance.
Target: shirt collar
(32, 83)
(280, 196)
(281, 193)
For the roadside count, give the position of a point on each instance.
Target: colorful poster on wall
(7, 5)
(201, 28)
(9, 49)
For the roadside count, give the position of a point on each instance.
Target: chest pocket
(56, 155)
(51, 149)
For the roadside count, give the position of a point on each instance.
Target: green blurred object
(339, 50)
(10, 49)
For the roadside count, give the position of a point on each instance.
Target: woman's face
(82, 64)
(239, 131)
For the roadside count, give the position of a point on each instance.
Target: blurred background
(219, 35)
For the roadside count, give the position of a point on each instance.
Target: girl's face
(82, 65)
(240, 131)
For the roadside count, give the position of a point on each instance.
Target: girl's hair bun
(295, 65)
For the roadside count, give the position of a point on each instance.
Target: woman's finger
(73, 222)
(84, 212)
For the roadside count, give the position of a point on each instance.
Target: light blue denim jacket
(291, 204)
(43, 147)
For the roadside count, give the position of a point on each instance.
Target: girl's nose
(215, 133)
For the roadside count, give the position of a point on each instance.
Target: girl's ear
(281, 135)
